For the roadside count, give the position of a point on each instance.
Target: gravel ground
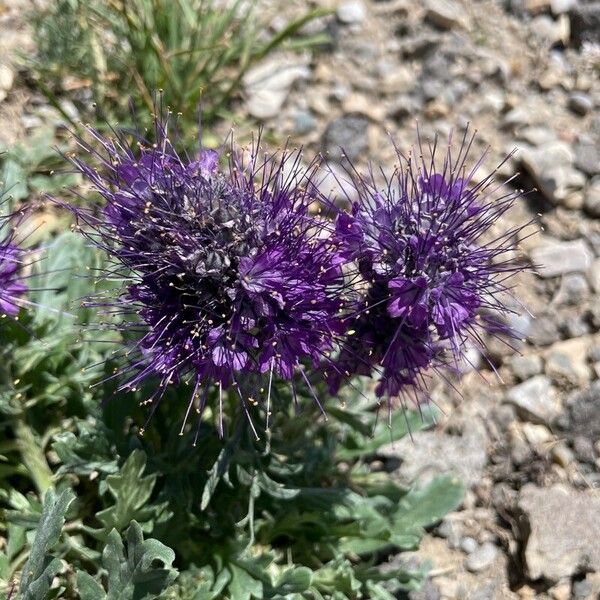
(525, 434)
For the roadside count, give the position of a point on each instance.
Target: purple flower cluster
(12, 288)
(433, 275)
(232, 278)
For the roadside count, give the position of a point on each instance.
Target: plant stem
(33, 457)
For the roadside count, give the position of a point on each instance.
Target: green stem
(33, 457)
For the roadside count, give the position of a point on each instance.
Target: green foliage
(41, 567)
(196, 50)
(300, 514)
(28, 169)
(131, 575)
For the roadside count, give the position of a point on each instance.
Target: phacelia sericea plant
(433, 273)
(232, 279)
(230, 276)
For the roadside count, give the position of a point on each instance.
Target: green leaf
(424, 507)
(244, 586)
(89, 588)
(402, 423)
(131, 491)
(40, 568)
(142, 572)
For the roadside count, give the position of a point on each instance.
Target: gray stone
(519, 115)
(7, 79)
(346, 136)
(482, 558)
(573, 290)
(351, 12)
(543, 331)
(404, 106)
(584, 448)
(580, 103)
(335, 183)
(594, 276)
(572, 326)
(428, 591)
(434, 452)
(527, 366)
(445, 14)
(537, 135)
(551, 167)
(451, 530)
(468, 545)
(535, 400)
(591, 201)
(559, 7)
(553, 258)
(587, 157)
(585, 22)
(566, 362)
(588, 588)
(268, 84)
(304, 122)
(564, 529)
(582, 416)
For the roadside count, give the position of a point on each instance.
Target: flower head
(230, 276)
(12, 288)
(433, 274)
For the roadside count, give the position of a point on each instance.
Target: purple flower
(230, 278)
(12, 289)
(434, 276)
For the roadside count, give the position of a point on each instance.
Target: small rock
(591, 201)
(546, 28)
(572, 291)
(535, 399)
(587, 156)
(468, 545)
(582, 417)
(561, 591)
(566, 362)
(351, 12)
(562, 455)
(346, 136)
(404, 107)
(268, 84)
(551, 167)
(304, 122)
(526, 366)
(594, 278)
(564, 528)
(543, 331)
(451, 530)
(585, 22)
(573, 326)
(536, 435)
(335, 184)
(482, 558)
(537, 135)
(559, 7)
(7, 78)
(588, 588)
(553, 258)
(445, 14)
(434, 452)
(584, 448)
(580, 103)
(428, 591)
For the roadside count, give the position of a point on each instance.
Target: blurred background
(523, 432)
